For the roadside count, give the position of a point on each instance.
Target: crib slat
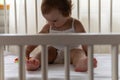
(5, 17)
(25, 10)
(22, 70)
(1, 63)
(44, 62)
(99, 16)
(67, 63)
(114, 62)
(6, 27)
(36, 16)
(89, 23)
(15, 10)
(78, 9)
(111, 15)
(90, 62)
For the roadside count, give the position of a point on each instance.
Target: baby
(59, 20)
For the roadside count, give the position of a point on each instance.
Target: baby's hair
(64, 6)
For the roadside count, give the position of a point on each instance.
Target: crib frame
(69, 39)
(61, 39)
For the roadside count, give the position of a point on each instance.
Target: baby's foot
(82, 65)
(32, 64)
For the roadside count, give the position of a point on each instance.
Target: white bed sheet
(56, 71)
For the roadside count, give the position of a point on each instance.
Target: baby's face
(55, 18)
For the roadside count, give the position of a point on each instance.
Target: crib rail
(61, 39)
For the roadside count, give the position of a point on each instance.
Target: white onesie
(60, 49)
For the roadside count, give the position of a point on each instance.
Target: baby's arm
(79, 28)
(29, 49)
(85, 49)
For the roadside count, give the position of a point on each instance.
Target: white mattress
(56, 71)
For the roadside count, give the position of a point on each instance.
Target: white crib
(66, 40)
(91, 39)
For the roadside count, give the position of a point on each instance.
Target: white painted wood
(1, 63)
(36, 15)
(25, 12)
(60, 39)
(114, 51)
(5, 18)
(67, 63)
(44, 62)
(99, 13)
(89, 22)
(90, 62)
(111, 15)
(63, 39)
(22, 70)
(15, 16)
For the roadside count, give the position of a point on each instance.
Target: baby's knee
(77, 51)
(52, 54)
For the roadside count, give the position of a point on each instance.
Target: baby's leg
(35, 61)
(80, 60)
